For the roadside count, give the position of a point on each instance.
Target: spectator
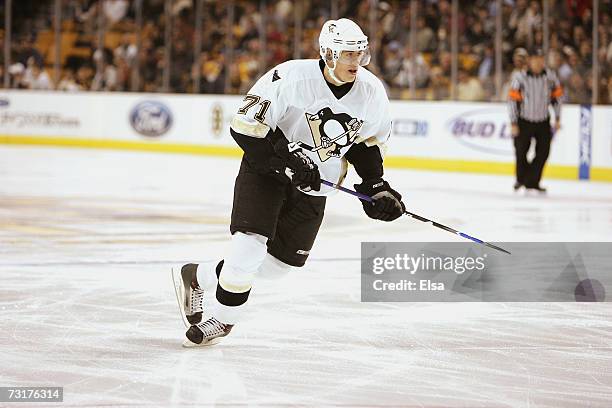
(469, 88)
(248, 66)
(519, 59)
(85, 13)
(576, 89)
(486, 65)
(607, 99)
(569, 66)
(35, 77)
(440, 86)
(68, 82)
(115, 10)
(124, 75)
(476, 36)
(517, 23)
(425, 38)
(282, 13)
(445, 62)
(25, 50)
(578, 36)
(443, 41)
(213, 76)
(16, 79)
(569, 45)
(84, 76)
(585, 51)
(386, 18)
(554, 60)
(126, 50)
(533, 22)
(181, 62)
(419, 68)
(106, 77)
(485, 72)
(487, 20)
(180, 6)
(400, 32)
(391, 60)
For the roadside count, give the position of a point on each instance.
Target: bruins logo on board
(217, 120)
(332, 131)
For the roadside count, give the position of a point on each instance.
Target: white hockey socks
(206, 275)
(247, 252)
(273, 269)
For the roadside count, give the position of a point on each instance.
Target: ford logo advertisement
(4, 102)
(484, 130)
(151, 118)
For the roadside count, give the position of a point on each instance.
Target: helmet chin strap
(332, 74)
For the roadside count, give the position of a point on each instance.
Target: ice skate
(538, 189)
(517, 186)
(189, 294)
(535, 191)
(207, 333)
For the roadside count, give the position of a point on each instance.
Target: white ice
(88, 237)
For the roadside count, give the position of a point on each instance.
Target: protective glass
(361, 58)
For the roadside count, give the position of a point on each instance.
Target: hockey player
(300, 123)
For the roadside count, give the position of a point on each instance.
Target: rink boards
(449, 136)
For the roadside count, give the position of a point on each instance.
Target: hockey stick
(316, 149)
(369, 199)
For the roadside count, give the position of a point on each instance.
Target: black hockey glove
(305, 171)
(387, 205)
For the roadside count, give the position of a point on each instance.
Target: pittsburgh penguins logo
(332, 131)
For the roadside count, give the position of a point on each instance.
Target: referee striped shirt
(531, 94)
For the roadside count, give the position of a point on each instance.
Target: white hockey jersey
(295, 97)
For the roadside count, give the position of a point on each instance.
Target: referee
(531, 92)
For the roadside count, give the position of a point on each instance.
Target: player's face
(346, 72)
(355, 57)
(348, 64)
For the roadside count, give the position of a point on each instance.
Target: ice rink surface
(88, 237)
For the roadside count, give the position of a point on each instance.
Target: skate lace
(197, 299)
(211, 327)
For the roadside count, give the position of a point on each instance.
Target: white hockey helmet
(343, 35)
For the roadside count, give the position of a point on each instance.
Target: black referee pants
(530, 173)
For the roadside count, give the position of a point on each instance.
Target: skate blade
(534, 193)
(177, 281)
(189, 344)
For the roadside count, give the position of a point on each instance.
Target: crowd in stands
(234, 53)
